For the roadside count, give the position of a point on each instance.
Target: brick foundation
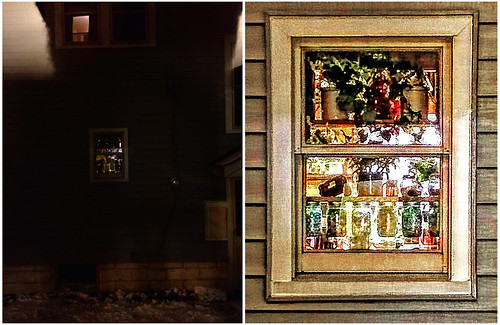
(28, 279)
(161, 276)
(123, 276)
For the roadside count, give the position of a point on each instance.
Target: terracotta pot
(331, 110)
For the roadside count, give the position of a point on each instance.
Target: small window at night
(81, 28)
(81, 22)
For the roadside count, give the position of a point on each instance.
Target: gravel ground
(176, 306)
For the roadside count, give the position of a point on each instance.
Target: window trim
(282, 280)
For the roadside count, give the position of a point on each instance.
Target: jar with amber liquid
(386, 226)
(361, 228)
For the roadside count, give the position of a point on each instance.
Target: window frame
(283, 280)
(105, 32)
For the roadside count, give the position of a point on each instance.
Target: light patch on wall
(26, 52)
(238, 47)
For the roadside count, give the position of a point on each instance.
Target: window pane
(372, 97)
(384, 203)
(108, 154)
(129, 22)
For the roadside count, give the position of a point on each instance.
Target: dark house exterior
(160, 72)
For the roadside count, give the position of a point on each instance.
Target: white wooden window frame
(105, 38)
(283, 282)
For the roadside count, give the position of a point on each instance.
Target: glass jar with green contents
(412, 222)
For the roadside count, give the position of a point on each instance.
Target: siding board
(487, 78)
(254, 43)
(487, 48)
(255, 79)
(256, 12)
(255, 150)
(373, 317)
(255, 223)
(255, 258)
(487, 257)
(486, 186)
(487, 114)
(487, 150)
(255, 186)
(255, 115)
(487, 221)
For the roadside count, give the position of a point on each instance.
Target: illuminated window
(81, 28)
(81, 22)
(108, 155)
(370, 165)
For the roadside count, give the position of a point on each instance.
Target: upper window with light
(92, 24)
(371, 97)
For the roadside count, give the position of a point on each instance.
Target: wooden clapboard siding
(487, 78)
(255, 222)
(486, 225)
(255, 12)
(171, 99)
(255, 150)
(487, 41)
(373, 317)
(255, 115)
(487, 114)
(487, 150)
(255, 258)
(255, 79)
(481, 310)
(254, 43)
(255, 186)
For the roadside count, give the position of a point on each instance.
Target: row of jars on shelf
(109, 165)
(341, 185)
(372, 225)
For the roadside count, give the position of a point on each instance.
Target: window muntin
(370, 96)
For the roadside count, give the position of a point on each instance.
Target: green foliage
(352, 74)
(424, 169)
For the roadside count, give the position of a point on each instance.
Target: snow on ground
(176, 306)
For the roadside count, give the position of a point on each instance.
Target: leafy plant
(424, 169)
(353, 73)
